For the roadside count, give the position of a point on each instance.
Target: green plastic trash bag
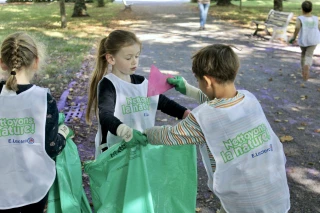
(146, 179)
(67, 194)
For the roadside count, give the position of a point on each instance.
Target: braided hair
(18, 51)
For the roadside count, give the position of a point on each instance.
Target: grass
(257, 10)
(65, 48)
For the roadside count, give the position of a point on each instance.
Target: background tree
(101, 3)
(63, 14)
(80, 9)
(223, 2)
(277, 5)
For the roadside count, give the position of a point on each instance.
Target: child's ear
(110, 59)
(3, 66)
(36, 64)
(209, 81)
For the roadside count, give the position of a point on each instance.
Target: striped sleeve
(202, 97)
(185, 132)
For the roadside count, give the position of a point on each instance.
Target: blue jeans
(203, 13)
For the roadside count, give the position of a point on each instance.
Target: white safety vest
(309, 34)
(26, 170)
(133, 108)
(250, 171)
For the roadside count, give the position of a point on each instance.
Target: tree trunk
(63, 14)
(80, 9)
(101, 3)
(223, 2)
(277, 5)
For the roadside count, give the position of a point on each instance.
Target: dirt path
(169, 32)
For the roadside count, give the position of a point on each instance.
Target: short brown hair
(306, 6)
(218, 61)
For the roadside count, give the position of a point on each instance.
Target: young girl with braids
(119, 98)
(29, 133)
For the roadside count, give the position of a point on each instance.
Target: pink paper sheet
(158, 82)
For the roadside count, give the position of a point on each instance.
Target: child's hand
(292, 40)
(132, 137)
(137, 138)
(65, 131)
(179, 84)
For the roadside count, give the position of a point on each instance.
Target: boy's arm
(183, 87)
(185, 132)
(296, 30)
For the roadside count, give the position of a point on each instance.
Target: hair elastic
(13, 73)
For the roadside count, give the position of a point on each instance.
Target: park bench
(127, 6)
(276, 20)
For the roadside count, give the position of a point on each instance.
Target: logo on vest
(16, 126)
(29, 141)
(136, 104)
(245, 142)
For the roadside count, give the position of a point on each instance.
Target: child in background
(119, 98)
(307, 25)
(250, 171)
(30, 136)
(204, 6)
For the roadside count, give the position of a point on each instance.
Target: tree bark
(277, 5)
(80, 9)
(63, 14)
(101, 3)
(223, 2)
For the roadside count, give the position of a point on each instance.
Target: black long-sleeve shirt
(107, 102)
(54, 142)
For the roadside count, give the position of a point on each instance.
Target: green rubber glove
(65, 131)
(132, 137)
(292, 40)
(62, 117)
(179, 84)
(137, 138)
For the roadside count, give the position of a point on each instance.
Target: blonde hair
(112, 44)
(218, 61)
(18, 51)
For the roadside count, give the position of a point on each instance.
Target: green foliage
(65, 48)
(257, 10)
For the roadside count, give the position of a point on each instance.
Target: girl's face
(126, 61)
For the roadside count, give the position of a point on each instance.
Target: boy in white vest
(307, 25)
(250, 171)
(29, 133)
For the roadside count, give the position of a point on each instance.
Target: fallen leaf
(286, 138)
(276, 98)
(317, 130)
(198, 209)
(303, 97)
(302, 85)
(300, 128)
(303, 124)
(277, 120)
